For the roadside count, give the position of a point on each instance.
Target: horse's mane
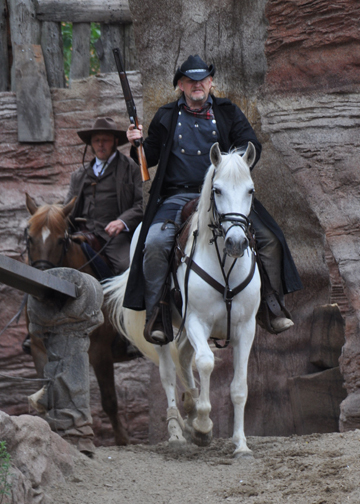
(50, 216)
(233, 169)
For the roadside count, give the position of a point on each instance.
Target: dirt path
(315, 469)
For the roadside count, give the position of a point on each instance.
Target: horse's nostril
(229, 242)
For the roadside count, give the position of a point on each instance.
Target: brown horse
(49, 246)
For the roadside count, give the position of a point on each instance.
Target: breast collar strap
(227, 293)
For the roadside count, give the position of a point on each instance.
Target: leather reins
(49, 264)
(236, 219)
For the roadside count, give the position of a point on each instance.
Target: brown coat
(129, 208)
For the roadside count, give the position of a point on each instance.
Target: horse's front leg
(191, 394)
(167, 372)
(242, 343)
(198, 335)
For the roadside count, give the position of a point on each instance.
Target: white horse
(224, 309)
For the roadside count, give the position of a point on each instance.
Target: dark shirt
(189, 158)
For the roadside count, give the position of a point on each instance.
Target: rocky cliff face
(293, 68)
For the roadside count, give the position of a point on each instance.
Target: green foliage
(95, 33)
(4, 471)
(66, 32)
(94, 60)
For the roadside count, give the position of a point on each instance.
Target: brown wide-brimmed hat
(103, 125)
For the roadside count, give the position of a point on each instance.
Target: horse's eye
(252, 191)
(217, 190)
(60, 241)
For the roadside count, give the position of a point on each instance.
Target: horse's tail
(130, 323)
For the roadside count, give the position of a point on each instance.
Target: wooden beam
(84, 11)
(32, 281)
(4, 61)
(80, 55)
(52, 48)
(25, 29)
(34, 106)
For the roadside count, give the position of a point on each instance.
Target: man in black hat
(179, 140)
(109, 193)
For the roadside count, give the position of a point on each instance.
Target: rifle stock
(130, 105)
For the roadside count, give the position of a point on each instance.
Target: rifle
(130, 105)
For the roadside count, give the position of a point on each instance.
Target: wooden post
(25, 28)
(4, 61)
(33, 99)
(52, 47)
(80, 59)
(130, 52)
(111, 37)
(116, 35)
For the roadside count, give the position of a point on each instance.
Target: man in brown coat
(109, 192)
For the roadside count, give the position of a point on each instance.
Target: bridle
(236, 219)
(44, 264)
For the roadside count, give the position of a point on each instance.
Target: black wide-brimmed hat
(103, 125)
(194, 68)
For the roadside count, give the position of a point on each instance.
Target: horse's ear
(215, 154)
(68, 208)
(30, 204)
(250, 155)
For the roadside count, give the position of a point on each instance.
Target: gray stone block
(327, 336)
(315, 401)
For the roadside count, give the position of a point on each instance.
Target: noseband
(44, 264)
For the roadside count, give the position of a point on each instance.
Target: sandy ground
(314, 469)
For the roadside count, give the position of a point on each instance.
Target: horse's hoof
(241, 454)
(177, 442)
(175, 427)
(201, 439)
(34, 400)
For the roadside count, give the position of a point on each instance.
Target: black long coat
(234, 131)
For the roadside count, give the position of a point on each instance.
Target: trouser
(270, 252)
(160, 240)
(118, 252)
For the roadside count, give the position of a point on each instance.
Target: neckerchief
(206, 112)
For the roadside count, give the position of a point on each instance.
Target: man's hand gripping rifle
(130, 105)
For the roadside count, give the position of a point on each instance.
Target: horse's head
(231, 190)
(47, 234)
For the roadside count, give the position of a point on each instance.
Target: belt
(171, 191)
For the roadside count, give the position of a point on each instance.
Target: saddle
(91, 247)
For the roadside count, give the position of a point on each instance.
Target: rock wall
(293, 68)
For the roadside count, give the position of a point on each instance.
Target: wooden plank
(84, 11)
(4, 60)
(37, 283)
(34, 107)
(111, 36)
(121, 36)
(52, 47)
(24, 27)
(80, 56)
